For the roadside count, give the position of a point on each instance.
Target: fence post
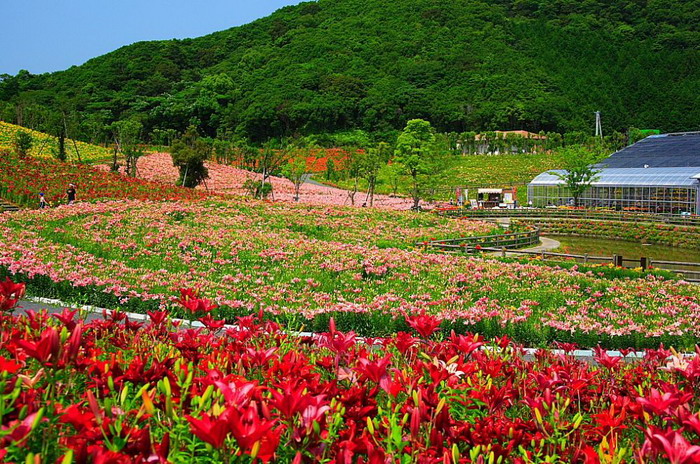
(617, 260)
(644, 262)
(585, 258)
(503, 252)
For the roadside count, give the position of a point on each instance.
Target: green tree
(415, 152)
(189, 154)
(126, 137)
(330, 170)
(256, 189)
(23, 143)
(354, 169)
(373, 160)
(579, 172)
(295, 170)
(270, 159)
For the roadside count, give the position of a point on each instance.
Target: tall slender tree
(296, 170)
(415, 152)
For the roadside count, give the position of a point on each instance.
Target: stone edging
(579, 354)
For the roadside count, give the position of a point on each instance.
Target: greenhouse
(659, 174)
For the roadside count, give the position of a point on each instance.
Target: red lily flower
(237, 394)
(404, 341)
(604, 359)
(67, 316)
(291, 400)
(189, 298)
(660, 403)
(424, 324)
(80, 420)
(157, 317)
(374, 370)
(315, 411)
(46, 349)
(8, 366)
(211, 323)
(467, 345)
(693, 422)
(610, 420)
(10, 294)
(249, 430)
(337, 341)
(210, 430)
(676, 448)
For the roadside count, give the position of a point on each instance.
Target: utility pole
(598, 125)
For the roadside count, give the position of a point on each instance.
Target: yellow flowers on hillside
(45, 145)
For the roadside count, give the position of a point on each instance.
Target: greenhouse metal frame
(657, 190)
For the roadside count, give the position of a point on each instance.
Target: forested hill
(373, 64)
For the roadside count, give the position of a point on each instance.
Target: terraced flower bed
(302, 265)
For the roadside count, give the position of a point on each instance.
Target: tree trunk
(354, 191)
(184, 178)
(416, 197)
(62, 146)
(115, 163)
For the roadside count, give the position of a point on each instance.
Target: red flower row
(118, 391)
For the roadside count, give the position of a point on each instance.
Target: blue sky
(50, 35)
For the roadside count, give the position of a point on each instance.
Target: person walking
(71, 193)
(42, 200)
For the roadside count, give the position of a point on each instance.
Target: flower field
(119, 391)
(21, 180)
(302, 265)
(158, 167)
(45, 144)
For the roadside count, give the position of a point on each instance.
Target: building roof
(633, 177)
(658, 151)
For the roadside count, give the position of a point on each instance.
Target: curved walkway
(546, 244)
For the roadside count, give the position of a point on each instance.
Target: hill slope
(45, 145)
(374, 64)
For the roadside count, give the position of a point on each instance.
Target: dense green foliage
(189, 154)
(579, 172)
(23, 143)
(415, 153)
(343, 65)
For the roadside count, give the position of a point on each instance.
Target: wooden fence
(471, 244)
(689, 271)
(602, 215)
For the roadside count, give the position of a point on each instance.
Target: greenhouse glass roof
(658, 151)
(633, 177)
